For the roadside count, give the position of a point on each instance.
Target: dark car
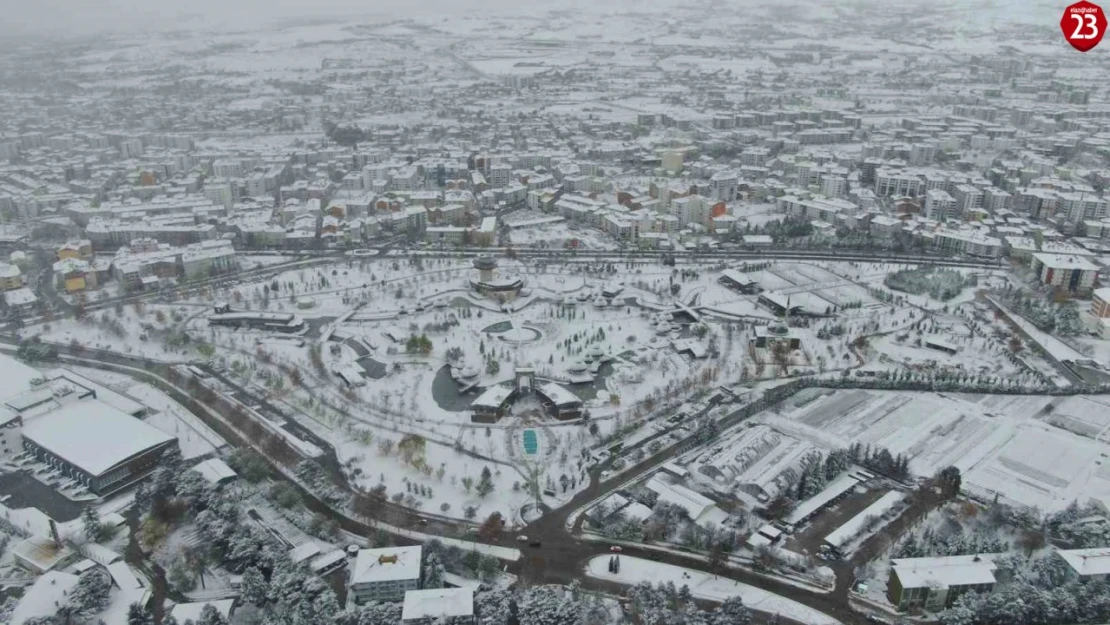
(535, 543)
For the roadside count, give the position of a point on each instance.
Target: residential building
(78, 248)
(384, 574)
(75, 275)
(1072, 273)
(11, 277)
(428, 607)
(939, 205)
(1087, 565)
(935, 583)
(1100, 303)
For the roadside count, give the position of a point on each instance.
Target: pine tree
(433, 572)
(485, 483)
(90, 520)
(254, 585)
(138, 615)
(210, 616)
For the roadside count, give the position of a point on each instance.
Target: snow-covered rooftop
(945, 572)
(93, 435)
(842, 484)
(1087, 562)
(853, 526)
(380, 565)
(1065, 261)
(15, 377)
(191, 611)
(558, 394)
(43, 597)
(303, 552)
(215, 470)
(702, 509)
(438, 603)
(492, 396)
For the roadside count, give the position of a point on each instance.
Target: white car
(522, 538)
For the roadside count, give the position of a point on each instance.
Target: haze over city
(575, 313)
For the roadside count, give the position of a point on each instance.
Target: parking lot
(810, 539)
(25, 491)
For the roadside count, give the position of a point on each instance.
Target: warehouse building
(97, 445)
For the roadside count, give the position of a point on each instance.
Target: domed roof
(485, 262)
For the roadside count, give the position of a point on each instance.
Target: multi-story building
(77, 248)
(1100, 303)
(207, 258)
(970, 243)
(1076, 207)
(968, 198)
(74, 274)
(723, 186)
(890, 182)
(11, 277)
(995, 199)
(939, 205)
(922, 153)
(1072, 273)
(935, 583)
(384, 574)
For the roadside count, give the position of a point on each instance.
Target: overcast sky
(80, 17)
(89, 16)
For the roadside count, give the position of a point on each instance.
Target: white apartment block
(1076, 207)
(970, 243)
(723, 186)
(890, 182)
(939, 205)
(995, 199)
(228, 168)
(968, 198)
(500, 175)
(834, 186)
(922, 153)
(755, 157)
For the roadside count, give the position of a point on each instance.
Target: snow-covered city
(554, 313)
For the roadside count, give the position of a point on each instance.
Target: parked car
(616, 549)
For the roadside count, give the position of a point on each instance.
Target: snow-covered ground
(193, 437)
(1003, 444)
(705, 586)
